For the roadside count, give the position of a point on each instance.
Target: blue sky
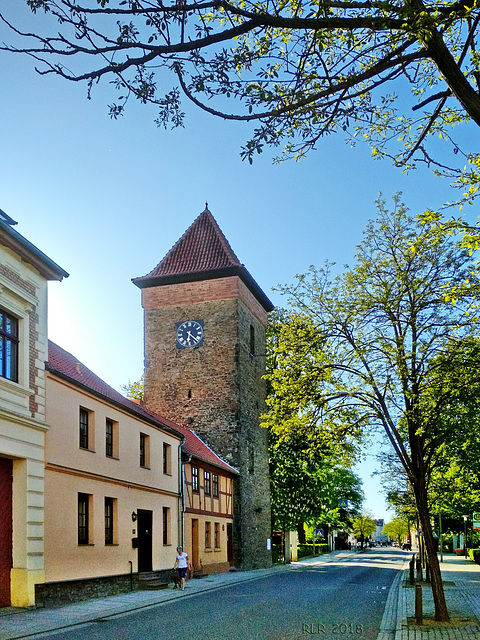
(107, 199)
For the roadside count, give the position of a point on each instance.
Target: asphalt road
(336, 601)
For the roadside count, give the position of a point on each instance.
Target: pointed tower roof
(202, 253)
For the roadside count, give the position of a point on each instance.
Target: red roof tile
(202, 253)
(65, 365)
(203, 247)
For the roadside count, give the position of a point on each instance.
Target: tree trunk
(301, 533)
(441, 611)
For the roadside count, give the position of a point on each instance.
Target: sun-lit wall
(117, 483)
(23, 297)
(208, 518)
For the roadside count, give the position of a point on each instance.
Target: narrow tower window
(252, 339)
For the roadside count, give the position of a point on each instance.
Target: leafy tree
(379, 327)
(397, 529)
(309, 476)
(363, 526)
(455, 478)
(134, 390)
(398, 74)
(306, 486)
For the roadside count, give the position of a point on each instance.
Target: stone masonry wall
(219, 385)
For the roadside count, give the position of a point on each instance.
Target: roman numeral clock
(189, 334)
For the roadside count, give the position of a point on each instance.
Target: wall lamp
(134, 516)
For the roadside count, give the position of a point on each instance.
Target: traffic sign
(319, 533)
(343, 504)
(476, 520)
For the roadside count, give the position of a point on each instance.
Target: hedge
(474, 555)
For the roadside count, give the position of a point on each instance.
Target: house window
(195, 478)
(83, 518)
(166, 525)
(144, 451)
(167, 459)
(110, 520)
(215, 485)
(84, 419)
(216, 534)
(8, 347)
(208, 534)
(206, 482)
(109, 439)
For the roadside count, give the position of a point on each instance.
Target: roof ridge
(214, 452)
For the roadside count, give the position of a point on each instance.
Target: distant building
(379, 536)
(24, 274)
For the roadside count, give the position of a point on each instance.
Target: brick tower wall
(220, 386)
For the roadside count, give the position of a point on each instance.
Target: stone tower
(204, 322)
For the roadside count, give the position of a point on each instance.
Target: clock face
(189, 333)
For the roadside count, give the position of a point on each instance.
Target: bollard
(418, 604)
(419, 569)
(412, 569)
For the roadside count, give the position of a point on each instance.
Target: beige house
(24, 274)
(112, 473)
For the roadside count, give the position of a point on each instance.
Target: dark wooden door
(6, 475)
(145, 538)
(230, 543)
(195, 559)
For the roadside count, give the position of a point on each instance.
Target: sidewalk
(462, 588)
(462, 592)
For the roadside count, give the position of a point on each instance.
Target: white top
(182, 560)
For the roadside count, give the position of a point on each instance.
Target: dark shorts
(182, 572)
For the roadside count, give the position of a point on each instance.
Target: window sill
(87, 450)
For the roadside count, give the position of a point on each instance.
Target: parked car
(406, 546)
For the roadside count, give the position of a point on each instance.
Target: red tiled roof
(202, 253)
(203, 247)
(65, 365)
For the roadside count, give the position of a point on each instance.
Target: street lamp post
(465, 518)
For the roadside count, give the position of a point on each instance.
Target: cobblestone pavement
(461, 579)
(462, 586)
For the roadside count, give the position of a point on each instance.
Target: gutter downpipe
(183, 500)
(181, 497)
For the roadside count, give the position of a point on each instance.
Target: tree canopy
(455, 469)
(400, 74)
(306, 486)
(363, 526)
(309, 475)
(397, 529)
(380, 330)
